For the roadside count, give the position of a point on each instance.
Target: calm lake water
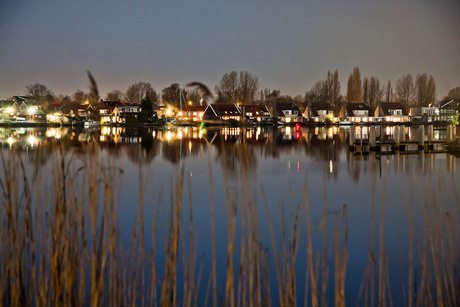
(368, 201)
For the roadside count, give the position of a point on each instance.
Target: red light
(297, 135)
(297, 127)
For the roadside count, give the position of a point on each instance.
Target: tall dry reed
(61, 243)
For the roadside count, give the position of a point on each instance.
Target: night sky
(288, 44)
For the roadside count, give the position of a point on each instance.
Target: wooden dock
(405, 147)
(364, 140)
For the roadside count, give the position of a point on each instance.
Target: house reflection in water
(320, 144)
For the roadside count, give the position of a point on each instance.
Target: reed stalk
(60, 242)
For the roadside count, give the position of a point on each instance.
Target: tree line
(244, 88)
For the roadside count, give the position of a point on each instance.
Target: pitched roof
(352, 107)
(7, 103)
(257, 109)
(387, 106)
(283, 106)
(450, 104)
(225, 109)
(317, 106)
(55, 106)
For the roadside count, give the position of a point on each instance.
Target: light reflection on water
(282, 161)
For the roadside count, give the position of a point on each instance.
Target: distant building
(391, 112)
(8, 108)
(222, 112)
(191, 113)
(255, 112)
(33, 115)
(129, 108)
(320, 112)
(110, 112)
(287, 112)
(357, 112)
(449, 111)
(424, 114)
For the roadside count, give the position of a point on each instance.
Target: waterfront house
(110, 112)
(191, 113)
(8, 108)
(129, 108)
(449, 111)
(25, 102)
(83, 110)
(216, 111)
(356, 112)
(33, 115)
(160, 110)
(424, 114)
(55, 106)
(391, 112)
(255, 112)
(287, 112)
(320, 112)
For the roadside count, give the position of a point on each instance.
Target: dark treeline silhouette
(244, 88)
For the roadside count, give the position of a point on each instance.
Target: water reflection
(232, 144)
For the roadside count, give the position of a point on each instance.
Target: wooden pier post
(371, 137)
(396, 136)
(422, 141)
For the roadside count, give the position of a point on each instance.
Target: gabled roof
(83, 107)
(55, 106)
(352, 107)
(224, 109)
(450, 104)
(69, 106)
(387, 106)
(7, 104)
(320, 106)
(285, 106)
(256, 109)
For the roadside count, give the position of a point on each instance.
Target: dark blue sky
(288, 44)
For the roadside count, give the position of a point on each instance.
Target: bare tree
(453, 93)
(354, 87)
(388, 92)
(405, 89)
(64, 98)
(332, 85)
(39, 92)
(366, 90)
(80, 96)
(425, 89)
(269, 97)
(193, 96)
(172, 95)
(139, 91)
(248, 86)
(318, 93)
(374, 93)
(227, 89)
(431, 97)
(115, 95)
